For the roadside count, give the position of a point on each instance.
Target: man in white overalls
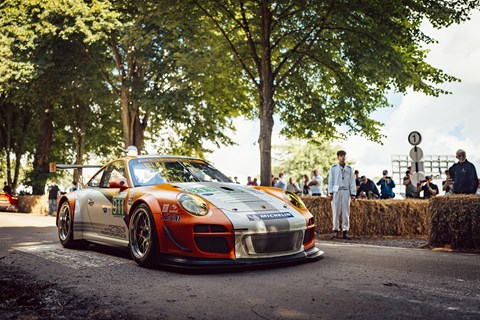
(341, 188)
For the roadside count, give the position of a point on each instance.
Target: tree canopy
(90, 75)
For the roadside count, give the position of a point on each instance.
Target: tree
(16, 138)
(324, 66)
(296, 158)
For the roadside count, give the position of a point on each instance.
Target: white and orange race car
(182, 212)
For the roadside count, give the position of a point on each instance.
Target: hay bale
(408, 217)
(455, 222)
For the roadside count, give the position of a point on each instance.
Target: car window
(152, 171)
(95, 181)
(113, 171)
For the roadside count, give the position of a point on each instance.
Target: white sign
(417, 165)
(417, 177)
(414, 138)
(416, 153)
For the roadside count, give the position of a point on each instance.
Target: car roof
(149, 156)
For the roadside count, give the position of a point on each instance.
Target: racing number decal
(117, 207)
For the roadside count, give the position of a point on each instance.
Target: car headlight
(294, 200)
(193, 204)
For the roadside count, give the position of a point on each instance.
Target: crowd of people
(346, 185)
(463, 172)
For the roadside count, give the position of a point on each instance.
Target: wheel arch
(61, 201)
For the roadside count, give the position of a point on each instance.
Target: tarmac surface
(39, 279)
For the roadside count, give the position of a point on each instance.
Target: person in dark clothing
(6, 188)
(367, 189)
(53, 191)
(410, 190)
(463, 175)
(429, 189)
(447, 185)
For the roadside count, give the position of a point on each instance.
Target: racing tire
(65, 228)
(143, 244)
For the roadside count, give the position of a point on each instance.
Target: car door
(105, 206)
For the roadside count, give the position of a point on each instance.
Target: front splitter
(188, 263)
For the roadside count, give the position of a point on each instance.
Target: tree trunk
(266, 98)
(40, 161)
(81, 127)
(125, 115)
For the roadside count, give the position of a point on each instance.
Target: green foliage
(298, 157)
(331, 61)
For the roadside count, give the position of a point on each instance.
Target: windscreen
(152, 171)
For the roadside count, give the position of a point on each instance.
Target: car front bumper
(188, 263)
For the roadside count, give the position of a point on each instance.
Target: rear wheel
(65, 227)
(144, 245)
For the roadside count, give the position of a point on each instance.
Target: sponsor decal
(196, 190)
(165, 208)
(269, 216)
(114, 231)
(117, 207)
(172, 218)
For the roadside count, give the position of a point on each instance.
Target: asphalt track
(352, 281)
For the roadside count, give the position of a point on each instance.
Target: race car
(182, 212)
(8, 202)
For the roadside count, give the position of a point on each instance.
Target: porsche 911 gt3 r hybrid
(181, 211)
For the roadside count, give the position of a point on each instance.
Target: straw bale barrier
(406, 218)
(455, 222)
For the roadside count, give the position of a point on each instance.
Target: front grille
(212, 244)
(273, 242)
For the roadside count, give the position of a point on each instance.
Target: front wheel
(65, 227)
(144, 246)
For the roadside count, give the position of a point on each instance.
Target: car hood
(235, 197)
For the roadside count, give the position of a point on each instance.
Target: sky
(446, 123)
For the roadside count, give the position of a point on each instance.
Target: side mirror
(120, 183)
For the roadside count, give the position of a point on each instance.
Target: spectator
(249, 181)
(52, 198)
(275, 181)
(281, 183)
(463, 175)
(306, 188)
(6, 188)
(429, 189)
(341, 188)
(74, 186)
(255, 182)
(236, 180)
(386, 186)
(292, 186)
(367, 189)
(410, 190)
(478, 188)
(316, 184)
(358, 179)
(447, 185)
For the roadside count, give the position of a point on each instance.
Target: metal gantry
(434, 165)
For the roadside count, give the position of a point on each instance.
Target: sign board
(414, 138)
(417, 166)
(52, 167)
(417, 177)
(416, 153)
